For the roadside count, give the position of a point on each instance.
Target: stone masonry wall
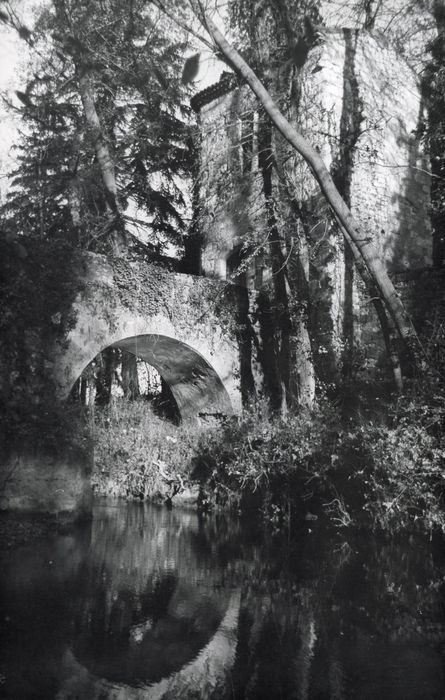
(407, 24)
(189, 326)
(390, 181)
(230, 192)
(389, 178)
(191, 329)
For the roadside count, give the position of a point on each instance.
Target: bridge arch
(179, 324)
(194, 383)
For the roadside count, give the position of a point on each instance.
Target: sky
(14, 53)
(9, 63)
(8, 56)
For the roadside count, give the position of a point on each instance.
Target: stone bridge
(189, 328)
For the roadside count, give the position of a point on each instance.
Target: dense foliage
(121, 64)
(38, 283)
(137, 455)
(58, 204)
(383, 473)
(379, 474)
(132, 59)
(434, 134)
(275, 35)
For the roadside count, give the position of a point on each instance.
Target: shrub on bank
(39, 281)
(306, 466)
(256, 462)
(406, 484)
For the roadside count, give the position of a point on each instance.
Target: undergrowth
(137, 454)
(382, 475)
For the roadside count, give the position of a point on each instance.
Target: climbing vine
(39, 281)
(275, 31)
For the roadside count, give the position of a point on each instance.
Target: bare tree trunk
(83, 391)
(350, 129)
(295, 358)
(354, 234)
(101, 147)
(130, 379)
(387, 327)
(388, 330)
(437, 166)
(304, 366)
(74, 203)
(104, 376)
(104, 158)
(74, 198)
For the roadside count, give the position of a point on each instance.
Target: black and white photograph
(222, 349)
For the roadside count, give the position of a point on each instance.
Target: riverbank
(139, 456)
(381, 475)
(380, 472)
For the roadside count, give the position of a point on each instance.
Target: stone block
(38, 483)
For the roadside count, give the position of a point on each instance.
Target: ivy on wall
(39, 280)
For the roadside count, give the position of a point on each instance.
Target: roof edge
(227, 83)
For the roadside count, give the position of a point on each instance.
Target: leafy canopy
(134, 57)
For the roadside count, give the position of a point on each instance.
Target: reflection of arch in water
(199, 678)
(194, 383)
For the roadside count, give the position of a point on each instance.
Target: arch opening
(188, 386)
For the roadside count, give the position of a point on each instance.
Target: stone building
(357, 100)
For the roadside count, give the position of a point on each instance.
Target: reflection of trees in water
(146, 592)
(133, 543)
(318, 618)
(314, 611)
(330, 619)
(154, 611)
(206, 676)
(147, 640)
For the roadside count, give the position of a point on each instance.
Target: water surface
(149, 603)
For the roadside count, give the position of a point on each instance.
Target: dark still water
(146, 603)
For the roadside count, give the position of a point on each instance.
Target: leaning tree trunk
(103, 154)
(354, 234)
(387, 327)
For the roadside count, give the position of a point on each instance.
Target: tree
(434, 91)
(361, 246)
(100, 82)
(109, 111)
